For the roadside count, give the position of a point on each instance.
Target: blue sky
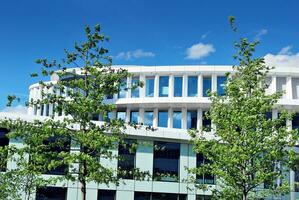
(145, 32)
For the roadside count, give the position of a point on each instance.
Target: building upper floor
(178, 87)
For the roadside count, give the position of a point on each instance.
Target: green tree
(78, 93)
(247, 149)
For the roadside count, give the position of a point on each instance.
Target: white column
(171, 86)
(170, 118)
(141, 115)
(273, 85)
(128, 113)
(30, 107)
(214, 83)
(185, 85)
(156, 87)
(142, 89)
(39, 96)
(199, 86)
(289, 91)
(184, 118)
(155, 120)
(129, 85)
(199, 118)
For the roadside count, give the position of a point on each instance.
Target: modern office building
(172, 100)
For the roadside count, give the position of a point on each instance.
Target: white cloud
(199, 50)
(19, 109)
(203, 36)
(285, 50)
(284, 58)
(260, 33)
(138, 53)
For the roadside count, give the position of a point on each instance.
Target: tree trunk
(83, 189)
(244, 196)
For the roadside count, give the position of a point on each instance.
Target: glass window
(192, 86)
(166, 161)
(178, 86)
(296, 178)
(134, 117)
(162, 118)
(121, 115)
(106, 194)
(142, 196)
(47, 109)
(122, 89)
(177, 119)
(220, 85)
(149, 86)
(203, 197)
(4, 141)
(268, 115)
(135, 87)
(51, 193)
(108, 117)
(148, 118)
(126, 163)
(191, 119)
(207, 86)
(295, 121)
(159, 196)
(163, 86)
(57, 145)
(203, 178)
(206, 122)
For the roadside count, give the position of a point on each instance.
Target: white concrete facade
(182, 106)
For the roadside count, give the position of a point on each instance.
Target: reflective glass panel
(163, 86)
(191, 119)
(178, 86)
(149, 86)
(148, 118)
(192, 86)
(220, 85)
(177, 119)
(134, 117)
(122, 89)
(162, 118)
(135, 88)
(207, 86)
(166, 161)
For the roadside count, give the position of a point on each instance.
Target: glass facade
(51, 193)
(177, 119)
(220, 85)
(134, 117)
(106, 194)
(149, 86)
(162, 118)
(295, 121)
(203, 178)
(163, 86)
(206, 123)
(121, 115)
(192, 86)
(135, 87)
(126, 163)
(158, 196)
(122, 89)
(203, 197)
(206, 86)
(166, 161)
(4, 141)
(178, 86)
(57, 145)
(191, 119)
(148, 118)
